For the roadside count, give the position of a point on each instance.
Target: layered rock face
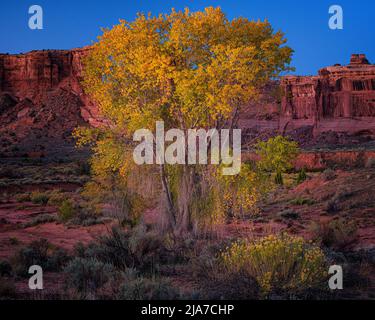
(334, 108)
(42, 101)
(339, 99)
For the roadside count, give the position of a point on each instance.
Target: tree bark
(171, 216)
(185, 200)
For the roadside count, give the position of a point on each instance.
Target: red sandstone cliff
(339, 99)
(42, 101)
(336, 107)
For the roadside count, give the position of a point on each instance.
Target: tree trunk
(170, 211)
(184, 202)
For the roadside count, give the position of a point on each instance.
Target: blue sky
(69, 24)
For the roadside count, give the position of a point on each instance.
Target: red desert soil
(358, 204)
(13, 236)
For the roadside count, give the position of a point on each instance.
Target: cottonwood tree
(188, 69)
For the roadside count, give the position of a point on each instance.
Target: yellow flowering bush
(278, 262)
(239, 194)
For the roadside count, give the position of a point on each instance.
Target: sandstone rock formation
(334, 108)
(339, 99)
(42, 101)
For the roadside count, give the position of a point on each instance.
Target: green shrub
(138, 248)
(87, 275)
(35, 253)
(40, 219)
(337, 234)
(301, 176)
(279, 263)
(302, 201)
(288, 214)
(66, 211)
(39, 252)
(279, 178)
(39, 197)
(141, 288)
(56, 197)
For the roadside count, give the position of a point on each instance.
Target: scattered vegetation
(302, 176)
(335, 203)
(87, 275)
(337, 233)
(66, 210)
(280, 263)
(38, 197)
(277, 155)
(39, 252)
(40, 219)
(302, 201)
(288, 214)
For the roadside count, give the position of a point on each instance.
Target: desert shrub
(302, 201)
(40, 219)
(56, 197)
(39, 252)
(231, 286)
(5, 268)
(329, 174)
(83, 217)
(66, 210)
(85, 220)
(23, 197)
(335, 203)
(288, 214)
(147, 248)
(7, 289)
(141, 288)
(87, 275)
(38, 197)
(138, 248)
(57, 259)
(302, 176)
(279, 178)
(277, 155)
(215, 282)
(34, 254)
(279, 263)
(338, 233)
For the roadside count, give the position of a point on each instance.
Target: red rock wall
(41, 90)
(340, 98)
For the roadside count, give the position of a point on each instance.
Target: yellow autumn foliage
(278, 262)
